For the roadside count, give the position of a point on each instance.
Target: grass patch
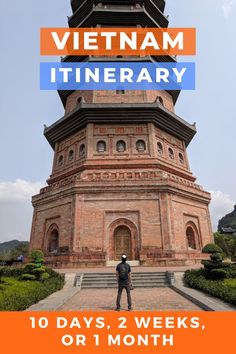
(18, 295)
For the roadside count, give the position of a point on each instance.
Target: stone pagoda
(120, 181)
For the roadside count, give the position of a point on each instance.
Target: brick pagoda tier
(121, 181)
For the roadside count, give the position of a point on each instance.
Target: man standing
(123, 275)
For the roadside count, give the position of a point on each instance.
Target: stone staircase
(108, 280)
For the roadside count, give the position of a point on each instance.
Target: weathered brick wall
(157, 220)
(133, 96)
(95, 218)
(188, 210)
(60, 212)
(110, 135)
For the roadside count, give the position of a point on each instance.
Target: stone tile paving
(143, 299)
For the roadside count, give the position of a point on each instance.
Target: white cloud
(18, 191)
(227, 7)
(221, 204)
(15, 209)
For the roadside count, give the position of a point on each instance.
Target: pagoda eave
(113, 113)
(110, 17)
(79, 4)
(93, 58)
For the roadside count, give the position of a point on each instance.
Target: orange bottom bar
(122, 332)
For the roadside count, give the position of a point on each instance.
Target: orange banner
(118, 41)
(122, 332)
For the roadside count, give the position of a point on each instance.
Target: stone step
(133, 277)
(114, 285)
(133, 274)
(157, 281)
(108, 280)
(148, 285)
(112, 280)
(104, 283)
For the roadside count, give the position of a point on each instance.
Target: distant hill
(228, 220)
(7, 246)
(11, 248)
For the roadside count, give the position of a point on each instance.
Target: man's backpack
(124, 271)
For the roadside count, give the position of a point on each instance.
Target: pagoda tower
(120, 181)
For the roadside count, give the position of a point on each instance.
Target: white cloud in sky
(227, 7)
(15, 209)
(18, 191)
(221, 204)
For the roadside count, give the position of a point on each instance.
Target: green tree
(216, 255)
(1, 273)
(21, 249)
(227, 243)
(212, 248)
(38, 257)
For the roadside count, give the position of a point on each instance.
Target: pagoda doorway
(122, 242)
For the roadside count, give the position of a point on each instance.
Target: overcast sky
(26, 157)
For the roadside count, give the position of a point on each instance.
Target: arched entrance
(192, 237)
(123, 242)
(52, 240)
(123, 238)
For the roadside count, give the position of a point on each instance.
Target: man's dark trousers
(123, 284)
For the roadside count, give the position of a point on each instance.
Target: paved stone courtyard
(143, 299)
(71, 298)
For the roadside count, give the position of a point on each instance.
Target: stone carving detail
(123, 175)
(119, 176)
(62, 183)
(120, 130)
